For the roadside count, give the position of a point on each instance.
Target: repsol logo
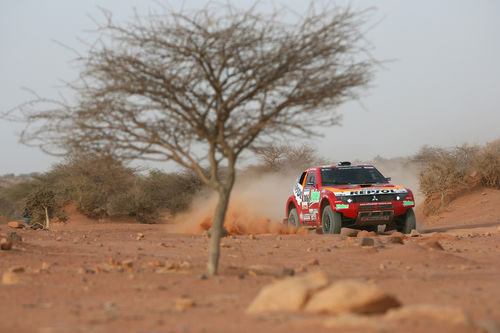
(369, 192)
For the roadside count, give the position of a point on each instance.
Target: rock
(170, 265)
(313, 262)
(449, 314)
(202, 277)
(414, 233)
(396, 239)
(155, 264)
(351, 296)
(128, 264)
(59, 239)
(10, 278)
(140, 236)
(343, 321)
(85, 270)
(289, 294)
(45, 266)
(16, 269)
(15, 225)
(184, 303)
(348, 232)
(161, 244)
(498, 229)
(366, 241)
(5, 244)
(365, 233)
(251, 237)
(432, 243)
(185, 265)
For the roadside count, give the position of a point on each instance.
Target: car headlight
(346, 199)
(401, 196)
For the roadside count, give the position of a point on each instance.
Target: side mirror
(388, 179)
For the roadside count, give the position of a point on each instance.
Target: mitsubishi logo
(374, 198)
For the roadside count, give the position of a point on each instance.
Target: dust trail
(257, 203)
(257, 206)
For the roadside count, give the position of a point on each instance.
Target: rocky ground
(142, 278)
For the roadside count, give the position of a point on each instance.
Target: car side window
(311, 180)
(301, 178)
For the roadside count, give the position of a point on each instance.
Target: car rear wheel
(331, 221)
(408, 222)
(293, 218)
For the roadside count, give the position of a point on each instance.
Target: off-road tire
(331, 222)
(293, 218)
(408, 222)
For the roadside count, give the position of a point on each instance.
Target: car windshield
(351, 175)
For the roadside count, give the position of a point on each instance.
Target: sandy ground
(73, 282)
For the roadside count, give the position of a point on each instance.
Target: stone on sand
(351, 296)
(5, 244)
(289, 294)
(366, 233)
(15, 225)
(348, 232)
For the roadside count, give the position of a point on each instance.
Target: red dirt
(143, 298)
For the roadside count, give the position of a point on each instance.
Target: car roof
(339, 166)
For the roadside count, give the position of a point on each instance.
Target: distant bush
(276, 157)
(446, 172)
(100, 187)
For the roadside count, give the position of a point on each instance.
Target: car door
(310, 199)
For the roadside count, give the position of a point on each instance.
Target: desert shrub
(93, 183)
(445, 173)
(101, 187)
(171, 191)
(488, 165)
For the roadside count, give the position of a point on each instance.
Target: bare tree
(200, 88)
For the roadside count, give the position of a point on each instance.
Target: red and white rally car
(345, 195)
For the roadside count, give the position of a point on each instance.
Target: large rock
(15, 225)
(448, 314)
(289, 294)
(351, 296)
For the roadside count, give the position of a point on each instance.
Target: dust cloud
(258, 201)
(257, 206)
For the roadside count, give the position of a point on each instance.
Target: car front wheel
(408, 222)
(331, 221)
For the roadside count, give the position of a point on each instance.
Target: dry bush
(445, 173)
(488, 165)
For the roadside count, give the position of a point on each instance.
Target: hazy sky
(442, 87)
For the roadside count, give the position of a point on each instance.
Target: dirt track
(83, 289)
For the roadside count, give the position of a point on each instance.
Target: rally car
(346, 195)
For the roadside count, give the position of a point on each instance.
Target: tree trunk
(216, 231)
(47, 220)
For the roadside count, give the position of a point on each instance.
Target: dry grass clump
(445, 173)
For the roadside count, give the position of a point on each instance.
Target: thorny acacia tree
(200, 88)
